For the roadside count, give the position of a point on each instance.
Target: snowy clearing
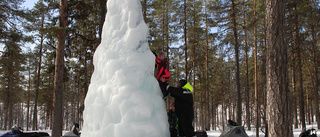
(251, 133)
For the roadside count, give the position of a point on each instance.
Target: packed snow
(124, 98)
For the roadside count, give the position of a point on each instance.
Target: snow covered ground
(251, 133)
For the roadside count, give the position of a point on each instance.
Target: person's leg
(183, 126)
(187, 128)
(163, 90)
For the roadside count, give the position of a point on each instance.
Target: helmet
(162, 55)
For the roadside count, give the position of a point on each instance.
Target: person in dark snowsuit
(162, 70)
(173, 119)
(184, 106)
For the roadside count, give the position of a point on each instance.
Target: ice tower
(124, 98)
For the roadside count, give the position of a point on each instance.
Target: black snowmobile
(74, 131)
(309, 133)
(18, 132)
(233, 130)
(201, 133)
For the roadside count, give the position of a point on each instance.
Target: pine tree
(277, 72)
(313, 16)
(83, 39)
(11, 80)
(40, 11)
(59, 69)
(11, 38)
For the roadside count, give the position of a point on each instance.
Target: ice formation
(124, 98)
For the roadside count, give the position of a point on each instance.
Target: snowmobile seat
(34, 134)
(309, 133)
(201, 133)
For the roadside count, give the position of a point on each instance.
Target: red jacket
(162, 69)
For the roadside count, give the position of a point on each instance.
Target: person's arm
(155, 54)
(172, 90)
(175, 91)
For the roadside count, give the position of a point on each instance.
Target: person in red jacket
(162, 71)
(162, 67)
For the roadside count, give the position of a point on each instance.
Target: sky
(29, 3)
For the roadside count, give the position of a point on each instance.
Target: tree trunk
(10, 89)
(207, 72)
(223, 111)
(35, 113)
(185, 40)
(35, 107)
(236, 48)
(256, 93)
(316, 79)
(28, 97)
(301, 94)
(103, 4)
(308, 120)
(293, 80)
(248, 121)
(59, 68)
(276, 68)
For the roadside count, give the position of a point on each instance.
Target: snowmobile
(309, 133)
(18, 132)
(74, 131)
(233, 130)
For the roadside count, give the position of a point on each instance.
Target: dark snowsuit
(184, 107)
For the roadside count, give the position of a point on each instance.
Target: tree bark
(247, 92)
(316, 78)
(256, 93)
(28, 97)
(301, 94)
(276, 68)
(185, 40)
(59, 68)
(10, 89)
(293, 80)
(236, 48)
(35, 113)
(207, 72)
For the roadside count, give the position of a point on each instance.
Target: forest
(219, 46)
